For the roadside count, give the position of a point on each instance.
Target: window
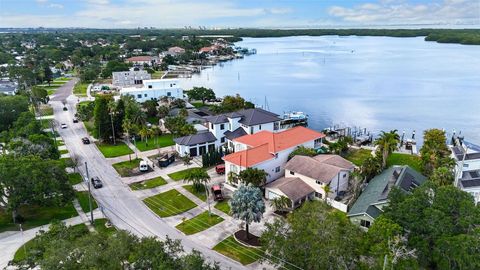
(150, 86)
(251, 130)
(222, 126)
(145, 95)
(259, 127)
(318, 182)
(292, 173)
(222, 140)
(276, 155)
(139, 96)
(169, 94)
(365, 223)
(318, 195)
(344, 175)
(277, 169)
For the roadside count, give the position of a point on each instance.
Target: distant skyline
(245, 13)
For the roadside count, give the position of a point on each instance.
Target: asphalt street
(117, 201)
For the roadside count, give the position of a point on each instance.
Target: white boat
(298, 116)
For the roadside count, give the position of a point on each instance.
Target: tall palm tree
(281, 203)
(143, 134)
(387, 142)
(198, 177)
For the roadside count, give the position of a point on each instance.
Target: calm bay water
(378, 83)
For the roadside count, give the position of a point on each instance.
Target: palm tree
(326, 189)
(247, 205)
(253, 176)
(281, 203)
(387, 142)
(199, 178)
(442, 176)
(370, 167)
(144, 134)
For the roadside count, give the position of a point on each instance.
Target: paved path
(64, 91)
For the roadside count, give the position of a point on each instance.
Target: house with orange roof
(144, 60)
(268, 151)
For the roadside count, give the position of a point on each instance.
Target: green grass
(110, 150)
(223, 206)
(180, 175)
(45, 123)
(157, 74)
(232, 249)
(35, 216)
(100, 226)
(82, 197)
(169, 203)
(161, 141)
(125, 168)
(75, 178)
(197, 104)
(63, 151)
(199, 223)
(405, 159)
(46, 110)
(199, 194)
(147, 184)
(357, 156)
(80, 89)
(60, 143)
(89, 127)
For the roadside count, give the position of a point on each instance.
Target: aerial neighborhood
(99, 134)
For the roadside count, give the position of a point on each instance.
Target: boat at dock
(293, 119)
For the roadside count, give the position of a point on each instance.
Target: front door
(203, 149)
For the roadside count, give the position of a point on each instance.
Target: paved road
(64, 91)
(120, 205)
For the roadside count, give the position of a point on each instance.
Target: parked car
(63, 125)
(220, 169)
(217, 193)
(85, 140)
(65, 108)
(96, 182)
(143, 166)
(75, 120)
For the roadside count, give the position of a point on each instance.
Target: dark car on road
(75, 120)
(85, 140)
(96, 182)
(65, 109)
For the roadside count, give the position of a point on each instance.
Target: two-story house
(467, 168)
(268, 151)
(317, 173)
(154, 90)
(226, 127)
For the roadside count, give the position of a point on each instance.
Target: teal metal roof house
(374, 197)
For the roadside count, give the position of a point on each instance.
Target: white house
(131, 77)
(8, 87)
(226, 127)
(316, 173)
(144, 60)
(467, 168)
(154, 89)
(268, 151)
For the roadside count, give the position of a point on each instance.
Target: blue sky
(233, 13)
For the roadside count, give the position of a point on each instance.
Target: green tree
(48, 74)
(247, 205)
(85, 110)
(370, 167)
(163, 111)
(303, 151)
(198, 177)
(10, 109)
(255, 177)
(150, 107)
(434, 151)
(387, 142)
(102, 122)
(32, 180)
(313, 237)
(281, 203)
(442, 176)
(201, 93)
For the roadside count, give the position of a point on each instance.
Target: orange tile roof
(263, 145)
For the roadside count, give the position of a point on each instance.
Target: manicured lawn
(63, 151)
(125, 168)
(75, 178)
(357, 156)
(80, 89)
(180, 175)
(169, 203)
(35, 216)
(157, 74)
(405, 159)
(110, 150)
(200, 194)
(161, 141)
(82, 197)
(150, 183)
(232, 249)
(100, 226)
(197, 104)
(199, 223)
(223, 206)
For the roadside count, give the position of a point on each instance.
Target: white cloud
(401, 12)
(53, 5)
(41, 1)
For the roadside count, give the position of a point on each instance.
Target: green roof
(380, 186)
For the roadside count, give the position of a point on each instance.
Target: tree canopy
(247, 205)
(201, 93)
(434, 151)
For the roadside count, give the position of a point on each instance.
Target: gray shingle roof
(257, 116)
(239, 132)
(293, 187)
(217, 119)
(201, 137)
(380, 186)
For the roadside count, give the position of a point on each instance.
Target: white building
(154, 90)
(226, 127)
(130, 78)
(268, 151)
(467, 168)
(8, 88)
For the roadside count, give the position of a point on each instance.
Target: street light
(89, 195)
(113, 128)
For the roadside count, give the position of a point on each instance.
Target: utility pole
(208, 200)
(113, 128)
(89, 195)
(23, 241)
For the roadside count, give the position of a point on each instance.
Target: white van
(143, 166)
